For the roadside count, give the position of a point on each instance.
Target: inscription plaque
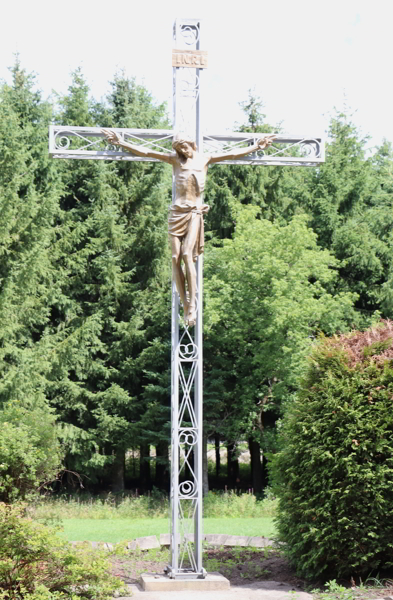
(193, 59)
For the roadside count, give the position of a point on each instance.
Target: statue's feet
(191, 316)
(186, 307)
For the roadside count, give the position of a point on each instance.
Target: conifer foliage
(29, 215)
(85, 287)
(334, 472)
(114, 250)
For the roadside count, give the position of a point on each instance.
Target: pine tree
(115, 251)
(30, 288)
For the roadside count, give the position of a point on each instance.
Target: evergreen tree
(114, 250)
(30, 288)
(231, 185)
(350, 200)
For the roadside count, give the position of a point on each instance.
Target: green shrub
(334, 474)
(29, 449)
(35, 564)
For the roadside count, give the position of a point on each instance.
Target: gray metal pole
(174, 488)
(198, 454)
(186, 394)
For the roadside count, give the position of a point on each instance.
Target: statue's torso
(190, 180)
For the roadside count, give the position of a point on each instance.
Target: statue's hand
(112, 136)
(266, 140)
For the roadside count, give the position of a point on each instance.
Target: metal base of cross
(185, 574)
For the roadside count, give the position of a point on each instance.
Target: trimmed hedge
(334, 474)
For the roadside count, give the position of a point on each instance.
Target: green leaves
(334, 473)
(36, 564)
(267, 295)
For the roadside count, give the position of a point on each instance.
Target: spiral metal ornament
(188, 351)
(187, 488)
(62, 142)
(190, 34)
(189, 84)
(310, 148)
(188, 436)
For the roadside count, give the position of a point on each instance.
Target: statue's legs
(177, 271)
(182, 248)
(188, 258)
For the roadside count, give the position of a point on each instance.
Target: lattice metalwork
(186, 464)
(90, 143)
(186, 81)
(186, 458)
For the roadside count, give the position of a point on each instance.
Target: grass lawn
(117, 530)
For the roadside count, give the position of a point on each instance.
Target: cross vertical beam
(187, 353)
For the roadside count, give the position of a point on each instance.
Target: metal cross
(188, 62)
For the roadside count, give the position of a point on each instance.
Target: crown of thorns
(181, 138)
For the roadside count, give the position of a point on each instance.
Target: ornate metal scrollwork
(188, 436)
(62, 142)
(311, 148)
(188, 351)
(90, 142)
(187, 488)
(190, 34)
(189, 84)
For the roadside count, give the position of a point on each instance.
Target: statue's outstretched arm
(263, 142)
(115, 139)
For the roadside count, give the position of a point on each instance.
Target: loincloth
(180, 218)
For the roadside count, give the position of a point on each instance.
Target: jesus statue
(186, 227)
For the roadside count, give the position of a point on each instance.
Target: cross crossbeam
(91, 143)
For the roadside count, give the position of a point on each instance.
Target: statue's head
(182, 144)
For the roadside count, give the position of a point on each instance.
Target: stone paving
(214, 539)
(266, 590)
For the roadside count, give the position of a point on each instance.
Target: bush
(334, 474)
(29, 449)
(35, 564)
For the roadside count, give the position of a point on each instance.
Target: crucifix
(186, 228)
(192, 153)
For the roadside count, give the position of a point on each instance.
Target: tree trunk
(233, 465)
(117, 471)
(256, 465)
(162, 465)
(218, 457)
(205, 479)
(144, 467)
(265, 472)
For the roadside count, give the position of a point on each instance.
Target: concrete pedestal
(156, 582)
